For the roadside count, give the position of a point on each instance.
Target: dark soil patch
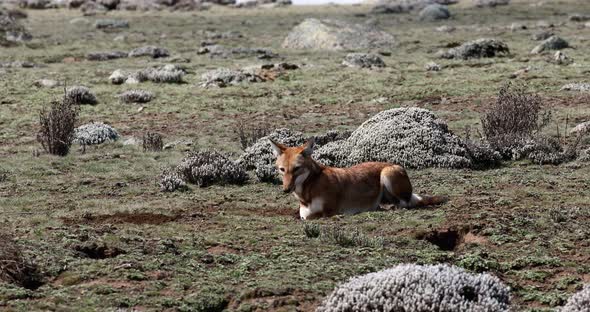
(97, 251)
(123, 217)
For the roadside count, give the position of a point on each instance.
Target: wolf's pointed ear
(277, 148)
(308, 147)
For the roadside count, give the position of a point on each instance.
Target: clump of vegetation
(513, 124)
(248, 136)
(3, 175)
(211, 167)
(57, 126)
(81, 95)
(413, 288)
(14, 267)
(341, 236)
(152, 142)
(579, 302)
(170, 181)
(95, 133)
(136, 96)
(412, 137)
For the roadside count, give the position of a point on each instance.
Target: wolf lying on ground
(326, 191)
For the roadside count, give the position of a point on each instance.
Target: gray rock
(363, 60)
(105, 56)
(46, 83)
(35, 4)
(561, 58)
(579, 18)
(153, 51)
(543, 35)
(434, 12)
(551, 43)
(581, 129)
(336, 35)
(489, 3)
(224, 77)
(584, 87)
(111, 24)
(405, 6)
(432, 66)
(79, 21)
(90, 8)
(445, 28)
(218, 51)
(118, 77)
(517, 26)
(477, 49)
(95, 133)
(415, 288)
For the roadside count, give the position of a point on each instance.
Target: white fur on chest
(316, 206)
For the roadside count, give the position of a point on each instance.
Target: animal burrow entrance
(97, 251)
(447, 239)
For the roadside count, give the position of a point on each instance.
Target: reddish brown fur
(343, 190)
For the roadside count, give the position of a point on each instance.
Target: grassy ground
(242, 248)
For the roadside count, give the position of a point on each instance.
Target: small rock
(120, 38)
(432, 66)
(111, 24)
(583, 87)
(118, 77)
(479, 48)
(519, 73)
(579, 18)
(153, 51)
(581, 129)
(445, 28)
(542, 35)
(79, 21)
(561, 58)
(131, 141)
(105, 56)
(489, 3)
(552, 43)
(434, 12)
(517, 26)
(46, 83)
(363, 60)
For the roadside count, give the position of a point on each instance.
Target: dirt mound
(326, 34)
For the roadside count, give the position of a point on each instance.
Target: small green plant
(341, 236)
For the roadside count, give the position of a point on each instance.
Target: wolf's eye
(282, 169)
(296, 168)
